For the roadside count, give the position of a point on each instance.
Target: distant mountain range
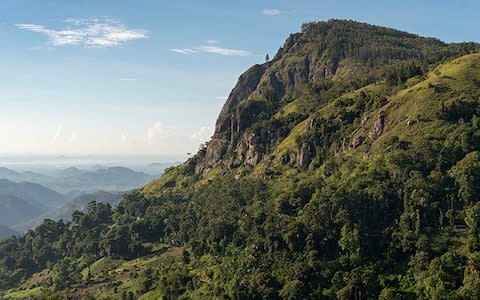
(76, 181)
(27, 198)
(22, 201)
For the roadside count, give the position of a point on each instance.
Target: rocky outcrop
(309, 124)
(213, 154)
(411, 122)
(378, 126)
(247, 83)
(310, 69)
(357, 141)
(306, 155)
(252, 157)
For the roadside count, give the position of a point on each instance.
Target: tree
(267, 58)
(466, 174)
(350, 242)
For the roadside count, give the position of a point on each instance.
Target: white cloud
(123, 139)
(271, 12)
(183, 51)
(202, 134)
(89, 33)
(58, 133)
(72, 138)
(128, 79)
(224, 51)
(211, 46)
(155, 132)
(221, 97)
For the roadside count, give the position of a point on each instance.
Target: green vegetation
(344, 185)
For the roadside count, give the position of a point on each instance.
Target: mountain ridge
(352, 179)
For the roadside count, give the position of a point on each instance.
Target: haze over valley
(42, 187)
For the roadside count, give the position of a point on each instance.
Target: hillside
(348, 167)
(33, 193)
(64, 212)
(20, 202)
(14, 209)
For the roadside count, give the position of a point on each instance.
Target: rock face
(411, 122)
(357, 141)
(378, 126)
(252, 157)
(259, 80)
(309, 124)
(306, 154)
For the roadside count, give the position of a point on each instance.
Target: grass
(101, 266)
(35, 293)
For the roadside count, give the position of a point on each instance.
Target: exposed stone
(238, 176)
(364, 120)
(285, 159)
(213, 153)
(411, 122)
(252, 157)
(357, 141)
(309, 124)
(378, 126)
(307, 152)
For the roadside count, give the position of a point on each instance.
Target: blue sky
(148, 77)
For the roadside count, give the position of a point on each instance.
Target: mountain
(75, 181)
(348, 167)
(108, 179)
(32, 193)
(20, 202)
(12, 175)
(6, 232)
(14, 210)
(64, 212)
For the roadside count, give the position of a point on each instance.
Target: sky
(149, 77)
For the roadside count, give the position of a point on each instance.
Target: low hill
(14, 210)
(32, 193)
(65, 211)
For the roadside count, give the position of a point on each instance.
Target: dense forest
(347, 167)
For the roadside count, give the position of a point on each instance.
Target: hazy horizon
(26, 162)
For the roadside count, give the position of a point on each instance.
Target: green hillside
(348, 167)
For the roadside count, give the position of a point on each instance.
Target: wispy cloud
(72, 138)
(271, 12)
(224, 51)
(221, 97)
(202, 134)
(185, 51)
(128, 79)
(123, 138)
(89, 33)
(58, 133)
(155, 132)
(212, 46)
